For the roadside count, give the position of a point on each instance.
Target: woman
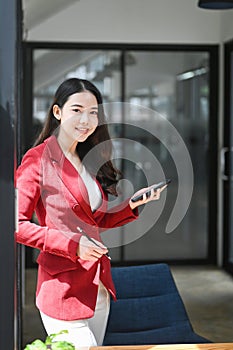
(68, 191)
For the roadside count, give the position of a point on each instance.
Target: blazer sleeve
(28, 233)
(118, 216)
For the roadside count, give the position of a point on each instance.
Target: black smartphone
(148, 192)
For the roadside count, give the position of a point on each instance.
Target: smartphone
(148, 192)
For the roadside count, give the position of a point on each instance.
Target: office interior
(165, 70)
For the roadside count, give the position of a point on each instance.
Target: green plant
(50, 343)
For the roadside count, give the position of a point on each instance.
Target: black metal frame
(213, 51)
(227, 143)
(10, 106)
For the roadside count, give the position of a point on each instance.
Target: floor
(207, 293)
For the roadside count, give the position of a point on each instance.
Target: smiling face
(78, 117)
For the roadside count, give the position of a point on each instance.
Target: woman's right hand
(87, 250)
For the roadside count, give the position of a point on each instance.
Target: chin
(82, 138)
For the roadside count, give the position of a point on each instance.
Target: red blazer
(50, 186)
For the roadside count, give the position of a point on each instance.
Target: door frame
(213, 51)
(228, 86)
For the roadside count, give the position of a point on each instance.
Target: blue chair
(149, 309)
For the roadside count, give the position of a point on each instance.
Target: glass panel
(168, 87)
(51, 67)
(173, 85)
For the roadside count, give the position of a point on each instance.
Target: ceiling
(37, 11)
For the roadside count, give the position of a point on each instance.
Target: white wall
(132, 21)
(226, 27)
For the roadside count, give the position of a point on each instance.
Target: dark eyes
(92, 113)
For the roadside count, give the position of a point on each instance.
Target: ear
(57, 112)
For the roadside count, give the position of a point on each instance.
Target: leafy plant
(50, 343)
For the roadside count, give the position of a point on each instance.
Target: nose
(84, 118)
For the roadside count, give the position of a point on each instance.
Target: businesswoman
(61, 184)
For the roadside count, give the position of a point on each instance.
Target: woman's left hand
(155, 195)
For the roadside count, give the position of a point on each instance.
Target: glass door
(227, 160)
(157, 103)
(50, 68)
(170, 129)
(160, 105)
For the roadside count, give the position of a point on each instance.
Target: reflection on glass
(176, 85)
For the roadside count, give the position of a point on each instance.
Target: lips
(82, 130)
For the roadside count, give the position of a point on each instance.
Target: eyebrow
(77, 105)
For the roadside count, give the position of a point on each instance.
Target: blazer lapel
(69, 175)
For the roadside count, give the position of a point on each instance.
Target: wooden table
(212, 346)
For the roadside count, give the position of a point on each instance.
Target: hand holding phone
(148, 191)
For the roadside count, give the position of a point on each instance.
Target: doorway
(176, 84)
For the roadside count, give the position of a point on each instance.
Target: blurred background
(173, 62)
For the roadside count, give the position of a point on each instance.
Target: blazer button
(75, 206)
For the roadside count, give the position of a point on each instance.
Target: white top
(93, 190)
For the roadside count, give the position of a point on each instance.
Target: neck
(70, 153)
(67, 145)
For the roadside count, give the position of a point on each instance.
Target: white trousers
(86, 332)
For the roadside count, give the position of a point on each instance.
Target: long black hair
(107, 174)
